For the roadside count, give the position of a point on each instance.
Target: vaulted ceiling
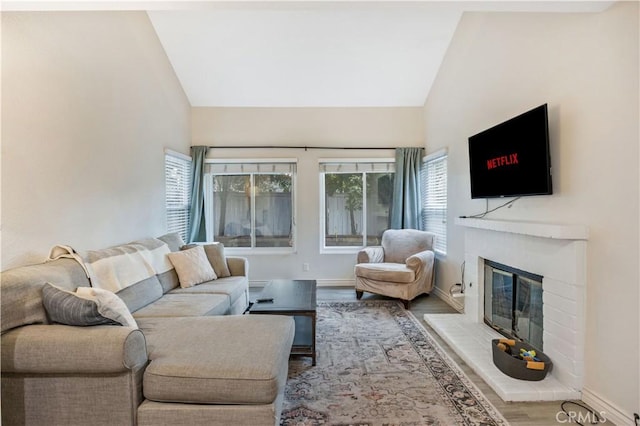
(308, 54)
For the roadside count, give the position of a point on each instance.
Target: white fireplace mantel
(533, 229)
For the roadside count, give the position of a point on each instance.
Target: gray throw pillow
(215, 254)
(91, 307)
(173, 240)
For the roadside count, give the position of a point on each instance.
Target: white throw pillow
(215, 254)
(192, 266)
(109, 305)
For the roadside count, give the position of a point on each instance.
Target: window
(177, 180)
(434, 198)
(355, 201)
(251, 204)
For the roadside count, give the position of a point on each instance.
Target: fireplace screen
(513, 302)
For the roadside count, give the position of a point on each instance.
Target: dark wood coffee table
(296, 298)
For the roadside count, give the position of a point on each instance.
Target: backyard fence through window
(355, 201)
(251, 204)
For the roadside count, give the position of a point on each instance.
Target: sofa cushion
(87, 307)
(141, 294)
(389, 272)
(239, 359)
(233, 287)
(192, 266)
(169, 280)
(185, 305)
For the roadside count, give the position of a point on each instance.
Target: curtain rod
(300, 147)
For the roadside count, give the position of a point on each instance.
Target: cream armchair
(403, 267)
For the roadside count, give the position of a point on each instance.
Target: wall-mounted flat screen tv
(512, 158)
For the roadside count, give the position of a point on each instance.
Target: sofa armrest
(420, 261)
(63, 349)
(238, 266)
(371, 255)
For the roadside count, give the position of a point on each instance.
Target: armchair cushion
(399, 244)
(371, 255)
(390, 272)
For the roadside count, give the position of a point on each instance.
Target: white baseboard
(606, 409)
(350, 282)
(257, 283)
(345, 282)
(342, 282)
(444, 295)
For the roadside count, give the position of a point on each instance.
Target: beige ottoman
(215, 370)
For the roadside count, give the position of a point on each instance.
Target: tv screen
(512, 158)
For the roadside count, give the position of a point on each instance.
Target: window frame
(433, 159)
(184, 163)
(324, 249)
(209, 202)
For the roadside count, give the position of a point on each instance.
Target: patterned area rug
(377, 365)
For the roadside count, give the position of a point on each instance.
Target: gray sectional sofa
(193, 360)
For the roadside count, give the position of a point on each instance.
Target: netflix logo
(504, 160)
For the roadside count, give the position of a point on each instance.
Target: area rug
(377, 365)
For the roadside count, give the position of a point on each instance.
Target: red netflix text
(504, 160)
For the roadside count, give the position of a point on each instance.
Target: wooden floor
(516, 413)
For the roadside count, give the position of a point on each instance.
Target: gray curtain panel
(197, 230)
(405, 207)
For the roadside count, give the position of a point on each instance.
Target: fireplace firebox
(513, 303)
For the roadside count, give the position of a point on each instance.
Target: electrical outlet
(305, 267)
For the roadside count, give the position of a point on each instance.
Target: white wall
(89, 101)
(586, 68)
(330, 127)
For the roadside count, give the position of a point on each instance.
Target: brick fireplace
(558, 254)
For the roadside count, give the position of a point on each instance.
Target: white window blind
(177, 169)
(434, 198)
(235, 168)
(361, 166)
